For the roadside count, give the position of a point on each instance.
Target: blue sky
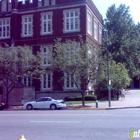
(134, 5)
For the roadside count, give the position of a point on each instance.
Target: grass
(78, 102)
(86, 102)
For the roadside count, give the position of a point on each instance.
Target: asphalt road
(69, 124)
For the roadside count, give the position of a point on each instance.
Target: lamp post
(108, 69)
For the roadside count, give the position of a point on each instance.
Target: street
(69, 124)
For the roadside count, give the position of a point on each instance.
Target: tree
(15, 64)
(123, 38)
(118, 74)
(78, 61)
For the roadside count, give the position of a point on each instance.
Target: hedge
(79, 98)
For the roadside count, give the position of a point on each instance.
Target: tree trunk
(83, 98)
(7, 98)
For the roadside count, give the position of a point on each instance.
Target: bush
(101, 94)
(79, 98)
(69, 98)
(90, 97)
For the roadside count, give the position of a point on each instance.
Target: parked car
(2, 105)
(45, 103)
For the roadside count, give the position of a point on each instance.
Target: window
(100, 35)
(27, 81)
(47, 81)
(5, 28)
(95, 30)
(46, 52)
(46, 2)
(70, 51)
(27, 25)
(69, 81)
(53, 2)
(71, 20)
(89, 23)
(46, 25)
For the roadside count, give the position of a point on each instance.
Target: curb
(77, 108)
(130, 107)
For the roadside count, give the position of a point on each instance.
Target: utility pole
(108, 69)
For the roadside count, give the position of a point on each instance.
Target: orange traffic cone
(21, 137)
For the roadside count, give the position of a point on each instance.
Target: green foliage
(79, 98)
(124, 38)
(17, 63)
(118, 75)
(78, 60)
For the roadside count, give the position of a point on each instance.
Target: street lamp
(108, 69)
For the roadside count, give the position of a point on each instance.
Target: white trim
(69, 85)
(29, 25)
(27, 81)
(45, 51)
(47, 20)
(89, 22)
(47, 80)
(96, 30)
(100, 34)
(51, 8)
(53, 2)
(71, 20)
(5, 22)
(93, 14)
(46, 2)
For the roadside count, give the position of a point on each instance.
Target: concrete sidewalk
(132, 100)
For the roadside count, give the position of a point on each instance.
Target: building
(38, 22)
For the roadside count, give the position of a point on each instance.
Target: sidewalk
(132, 100)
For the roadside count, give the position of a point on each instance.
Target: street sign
(109, 87)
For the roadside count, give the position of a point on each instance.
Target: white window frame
(47, 80)
(70, 51)
(46, 2)
(68, 84)
(100, 35)
(4, 28)
(89, 23)
(27, 25)
(46, 23)
(27, 81)
(71, 19)
(96, 30)
(53, 2)
(46, 52)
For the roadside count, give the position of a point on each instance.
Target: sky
(102, 6)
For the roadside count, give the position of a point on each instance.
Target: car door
(48, 102)
(39, 103)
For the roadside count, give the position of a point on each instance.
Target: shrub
(69, 98)
(79, 98)
(90, 97)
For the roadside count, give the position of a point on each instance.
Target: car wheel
(53, 107)
(29, 107)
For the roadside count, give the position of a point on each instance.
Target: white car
(44, 103)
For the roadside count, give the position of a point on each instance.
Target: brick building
(38, 22)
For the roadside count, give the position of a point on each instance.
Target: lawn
(78, 102)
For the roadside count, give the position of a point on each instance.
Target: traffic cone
(21, 137)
